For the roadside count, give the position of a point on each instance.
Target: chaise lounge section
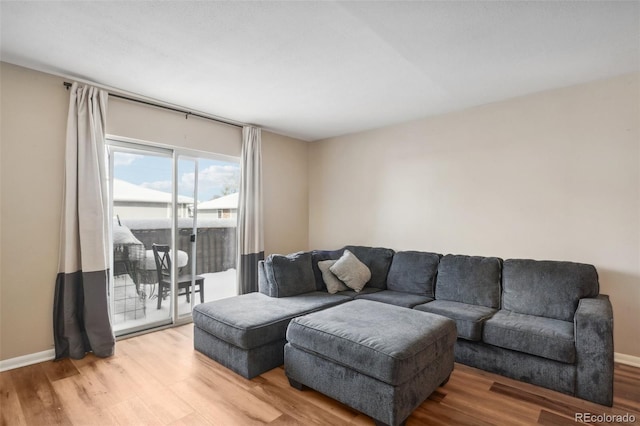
(247, 333)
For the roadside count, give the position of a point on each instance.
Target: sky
(154, 171)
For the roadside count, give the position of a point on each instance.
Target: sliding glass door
(142, 211)
(209, 231)
(174, 233)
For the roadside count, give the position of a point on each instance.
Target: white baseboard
(22, 361)
(631, 360)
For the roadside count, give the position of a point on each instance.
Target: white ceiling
(318, 69)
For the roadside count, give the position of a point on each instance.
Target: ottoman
(247, 333)
(380, 359)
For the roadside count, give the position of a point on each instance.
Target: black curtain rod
(187, 114)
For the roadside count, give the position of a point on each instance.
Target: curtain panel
(81, 304)
(250, 225)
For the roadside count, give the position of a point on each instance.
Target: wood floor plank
(278, 379)
(56, 370)
(88, 359)
(158, 378)
(285, 420)
(625, 389)
(39, 401)
(193, 419)
(555, 401)
(166, 404)
(361, 420)
(549, 418)
(162, 401)
(166, 363)
(94, 416)
(295, 405)
(11, 411)
(134, 412)
(441, 414)
(115, 380)
(437, 395)
(460, 395)
(218, 370)
(221, 407)
(563, 403)
(84, 398)
(556, 405)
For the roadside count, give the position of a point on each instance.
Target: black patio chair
(163, 267)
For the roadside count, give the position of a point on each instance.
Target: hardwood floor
(158, 379)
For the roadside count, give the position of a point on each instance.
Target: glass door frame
(196, 156)
(124, 144)
(117, 144)
(180, 319)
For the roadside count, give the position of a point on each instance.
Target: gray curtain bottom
(81, 315)
(248, 280)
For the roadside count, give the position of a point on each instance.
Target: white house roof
(226, 202)
(126, 191)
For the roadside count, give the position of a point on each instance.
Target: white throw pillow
(332, 282)
(351, 271)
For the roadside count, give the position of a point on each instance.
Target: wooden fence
(215, 244)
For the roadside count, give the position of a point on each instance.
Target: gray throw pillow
(332, 282)
(351, 271)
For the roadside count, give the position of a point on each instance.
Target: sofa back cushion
(288, 275)
(469, 279)
(546, 288)
(413, 272)
(318, 256)
(378, 260)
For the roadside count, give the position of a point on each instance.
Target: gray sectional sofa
(541, 322)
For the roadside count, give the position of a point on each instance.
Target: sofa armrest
(593, 323)
(263, 283)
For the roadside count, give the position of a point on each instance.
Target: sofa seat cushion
(352, 294)
(413, 272)
(469, 318)
(386, 342)
(545, 337)
(398, 298)
(254, 319)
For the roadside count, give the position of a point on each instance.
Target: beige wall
(33, 116)
(160, 126)
(286, 194)
(555, 175)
